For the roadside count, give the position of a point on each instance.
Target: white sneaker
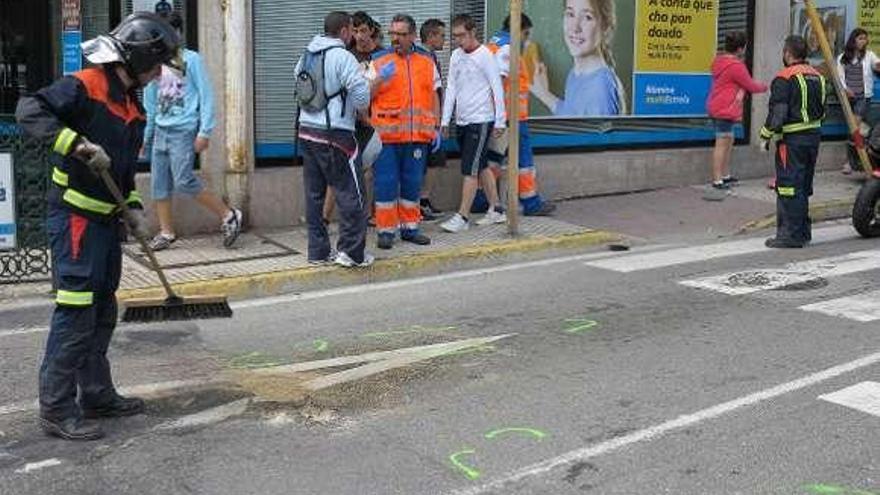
(231, 227)
(455, 224)
(343, 259)
(492, 217)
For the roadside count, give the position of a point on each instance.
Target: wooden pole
(513, 118)
(819, 29)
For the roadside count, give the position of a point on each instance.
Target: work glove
(93, 156)
(437, 143)
(765, 145)
(387, 71)
(137, 223)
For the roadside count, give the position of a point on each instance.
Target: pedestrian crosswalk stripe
(864, 397)
(748, 282)
(861, 307)
(694, 254)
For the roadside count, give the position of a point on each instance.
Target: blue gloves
(437, 143)
(387, 71)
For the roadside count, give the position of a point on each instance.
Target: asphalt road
(615, 378)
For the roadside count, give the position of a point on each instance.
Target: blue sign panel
(71, 51)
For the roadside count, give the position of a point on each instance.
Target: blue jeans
(172, 161)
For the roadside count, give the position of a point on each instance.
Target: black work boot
(775, 242)
(71, 429)
(418, 239)
(118, 407)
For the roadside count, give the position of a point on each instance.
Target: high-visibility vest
(496, 43)
(402, 110)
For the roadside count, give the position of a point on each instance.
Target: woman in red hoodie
(730, 83)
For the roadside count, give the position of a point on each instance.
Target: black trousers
(796, 158)
(334, 163)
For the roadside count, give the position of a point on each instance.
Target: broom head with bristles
(175, 309)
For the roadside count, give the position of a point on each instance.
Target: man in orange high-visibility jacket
(404, 113)
(529, 199)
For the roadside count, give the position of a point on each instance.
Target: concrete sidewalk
(270, 263)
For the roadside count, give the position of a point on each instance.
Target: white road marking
(860, 307)
(694, 254)
(207, 417)
(678, 423)
(36, 466)
(396, 284)
(145, 390)
(793, 273)
(864, 397)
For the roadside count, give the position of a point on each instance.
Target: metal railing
(29, 261)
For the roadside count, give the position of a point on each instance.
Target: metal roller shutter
(282, 29)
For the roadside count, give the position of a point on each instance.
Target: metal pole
(841, 91)
(513, 118)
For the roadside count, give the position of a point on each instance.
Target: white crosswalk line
(694, 254)
(748, 282)
(864, 397)
(861, 307)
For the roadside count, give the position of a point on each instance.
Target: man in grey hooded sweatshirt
(329, 148)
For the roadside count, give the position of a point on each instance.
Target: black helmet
(145, 41)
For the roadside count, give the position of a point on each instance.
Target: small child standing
(476, 94)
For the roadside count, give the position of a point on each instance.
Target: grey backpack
(310, 87)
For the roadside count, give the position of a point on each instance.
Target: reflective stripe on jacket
(92, 103)
(403, 107)
(797, 101)
(499, 42)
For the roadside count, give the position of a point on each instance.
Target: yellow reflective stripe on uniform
(74, 298)
(785, 191)
(64, 141)
(86, 203)
(823, 82)
(802, 82)
(766, 133)
(134, 197)
(60, 177)
(801, 126)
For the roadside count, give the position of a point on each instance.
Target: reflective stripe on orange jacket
(495, 44)
(403, 107)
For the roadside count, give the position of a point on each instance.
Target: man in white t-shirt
(476, 94)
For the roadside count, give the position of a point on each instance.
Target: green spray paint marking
(822, 489)
(472, 350)
(472, 473)
(578, 325)
(409, 330)
(524, 431)
(253, 360)
(321, 345)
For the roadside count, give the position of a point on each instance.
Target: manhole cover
(777, 280)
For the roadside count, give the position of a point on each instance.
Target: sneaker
(723, 186)
(385, 241)
(321, 262)
(231, 227)
(493, 217)
(545, 210)
(162, 241)
(455, 224)
(427, 214)
(731, 180)
(426, 205)
(71, 429)
(417, 238)
(343, 259)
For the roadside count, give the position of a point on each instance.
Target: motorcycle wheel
(866, 210)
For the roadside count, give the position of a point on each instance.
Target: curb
(835, 209)
(280, 282)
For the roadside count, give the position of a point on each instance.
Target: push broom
(172, 307)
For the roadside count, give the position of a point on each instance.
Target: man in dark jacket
(797, 107)
(93, 122)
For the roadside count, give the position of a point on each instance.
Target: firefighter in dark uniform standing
(93, 122)
(797, 107)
